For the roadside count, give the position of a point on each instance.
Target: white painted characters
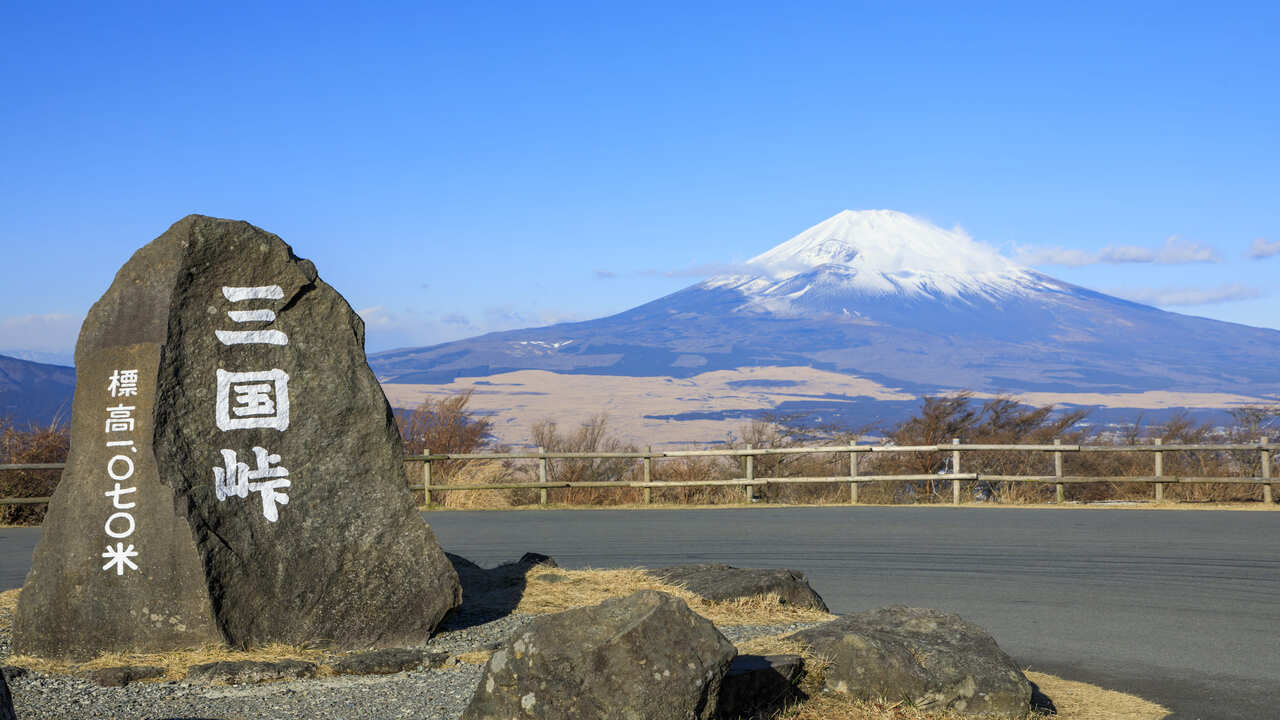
(257, 336)
(120, 524)
(249, 400)
(123, 383)
(236, 479)
(252, 400)
(118, 557)
(120, 418)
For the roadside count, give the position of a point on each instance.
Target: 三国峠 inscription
(248, 451)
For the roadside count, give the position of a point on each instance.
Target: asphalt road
(1179, 607)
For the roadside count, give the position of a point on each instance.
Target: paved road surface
(1179, 607)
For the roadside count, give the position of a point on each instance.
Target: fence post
(1159, 472)
(853, 473)
(955, 469)
(751, 475)
(542, 476)
(648, 469)
(1266, 473)
(1057, 472)
(426, 479)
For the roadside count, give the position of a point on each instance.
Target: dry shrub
(694, 469)
(489, 472)
(442, 425)
(32, 444)
(592, 435)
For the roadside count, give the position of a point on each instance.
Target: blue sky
(454, 168)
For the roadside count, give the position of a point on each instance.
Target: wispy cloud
(1262, 249)
(1177, 296)
(387, 328)
(53, 332)
(1174, 251)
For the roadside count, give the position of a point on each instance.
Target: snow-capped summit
(882, 295)
(876, 253)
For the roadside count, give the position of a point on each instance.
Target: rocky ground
(435, 694)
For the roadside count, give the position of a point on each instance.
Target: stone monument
(235, 471)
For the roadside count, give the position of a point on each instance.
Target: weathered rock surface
(388, 661)
(646, 656)
(937, 660)
(756, 686)
(246, 672)
(719, 583)
(236, 460)
(6, 701)
(122, 675)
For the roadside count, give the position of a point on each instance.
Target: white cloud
(1175, 251)
(51, 333)
(386, 329)
(1175, 296)
(1262, 249)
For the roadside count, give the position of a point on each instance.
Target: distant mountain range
(885, 297)
(849, 322)
(35, 392)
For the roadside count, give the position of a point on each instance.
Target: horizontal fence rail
(751, 482)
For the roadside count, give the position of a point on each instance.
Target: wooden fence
(750, 482)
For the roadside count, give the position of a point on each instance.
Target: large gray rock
(935, 660)
(643, 657)
(235, 471)
(720, 583)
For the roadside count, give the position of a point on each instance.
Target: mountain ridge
(842, 297)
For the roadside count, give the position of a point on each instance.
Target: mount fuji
(902, 305)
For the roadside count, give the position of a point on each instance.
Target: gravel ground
(433, 694)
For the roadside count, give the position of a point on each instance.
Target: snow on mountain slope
(876, 253)
(883, 295)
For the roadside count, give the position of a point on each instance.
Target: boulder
(757, 686)
(646, 656)
(246, 672)
(388, 661)
(6, 701)
(235, 472)
(122, 675)
(719, 583)
(935, 660)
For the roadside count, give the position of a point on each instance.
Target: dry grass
(9, 602)
(476, 657)
(579, 588)
(489, 472)
(175, 663)
(1080, 701)
(550, 590)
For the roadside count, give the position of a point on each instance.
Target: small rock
(643, 656)
(389, 661)
(6, 701)
(533, 558)
(719, 583)
(122, 675)
(243, 672)
(936, 660)
(756, 686)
